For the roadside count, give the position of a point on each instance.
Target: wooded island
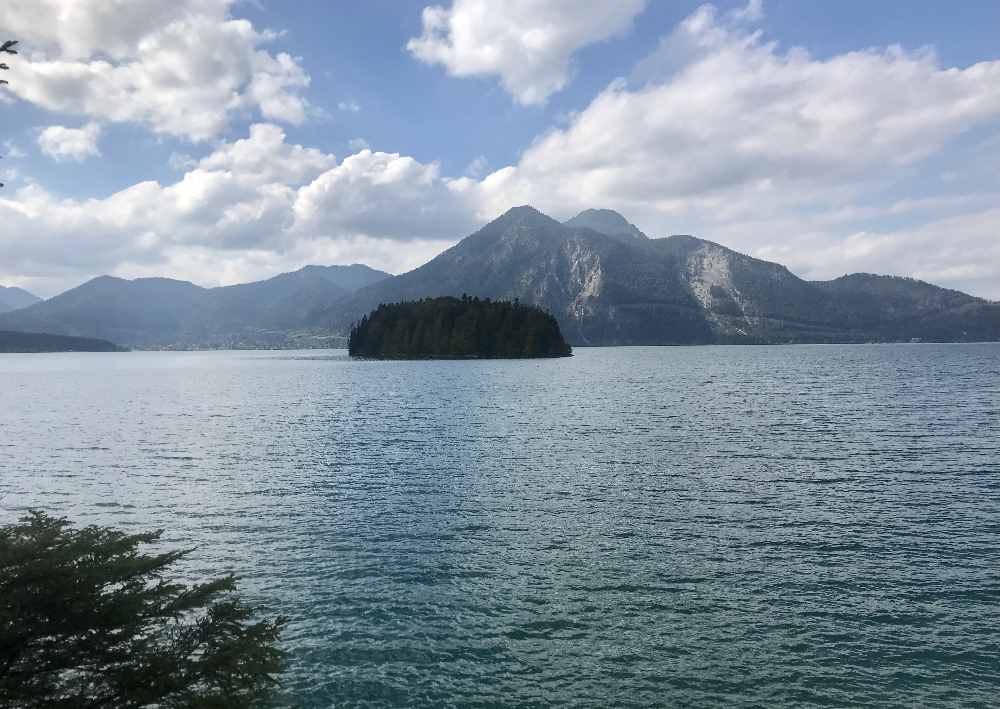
(42, 342)
(457, 328)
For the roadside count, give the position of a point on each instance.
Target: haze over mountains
(606, 282)
(162, 312)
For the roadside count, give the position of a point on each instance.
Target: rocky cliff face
(608, 284)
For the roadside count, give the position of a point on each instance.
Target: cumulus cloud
(477, 167)
(252, 207)
(181, 161)
(727, 136)
(959, 251)
(829, 165)
(180, 67)
(61, 143)
(745, 115)
(265, 157)
(384, 195)
(528, 44)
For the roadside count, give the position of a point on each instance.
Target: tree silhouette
(7, 48)
(457, 328)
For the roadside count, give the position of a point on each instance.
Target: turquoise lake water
(703, 526)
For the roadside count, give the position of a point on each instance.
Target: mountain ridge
(607, 222)
(620, 289)
(166, 312)
(617, 288)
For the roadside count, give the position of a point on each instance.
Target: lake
(701, 526)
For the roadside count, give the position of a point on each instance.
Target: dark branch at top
(7, 48)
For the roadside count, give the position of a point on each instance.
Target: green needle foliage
(87, 620)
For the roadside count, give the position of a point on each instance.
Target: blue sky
(383, 141)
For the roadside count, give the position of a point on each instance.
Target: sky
(221, 141)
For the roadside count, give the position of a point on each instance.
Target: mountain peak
(607, 222)
(14, 298)
(349, 277)
(525, 215)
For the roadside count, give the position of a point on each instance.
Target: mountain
(161, 312)
(570, 271)
(605, 282)
(607, 222)
(609, 285)
(13, 298)
(285, 301)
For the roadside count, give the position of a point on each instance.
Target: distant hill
(609, 285)
(161, 312)
(40, 342)
(287, 300)
(457, 328)
(13, 298)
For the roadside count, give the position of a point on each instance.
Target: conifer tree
(469, 326)
(88, 620)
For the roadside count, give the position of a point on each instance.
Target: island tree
(457, 328)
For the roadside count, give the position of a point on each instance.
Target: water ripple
(729, 526)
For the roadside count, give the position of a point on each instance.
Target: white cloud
(181, 67)
(828, 165)
(960, 251)
(351, 106)
(735, 140)
(61, 143)
(265, 157)
(181, 162)
(358, 144)
(384, 195)
(477, 167)
(80, 29)
(13, 150)
(528, 44)
(745, 114)
(753, 11)
(251, 208)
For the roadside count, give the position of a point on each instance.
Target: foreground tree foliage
(87, 620)
(457, 328)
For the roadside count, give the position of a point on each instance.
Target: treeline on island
(41, 342)
(457, 328)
